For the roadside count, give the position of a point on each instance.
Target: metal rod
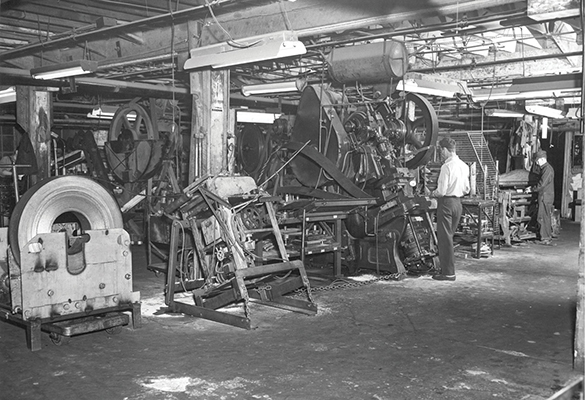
(285, 164)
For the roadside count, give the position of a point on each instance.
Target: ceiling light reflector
(65, 70)
(275, 87)
(108, 112)
(248, 50)
(8, 95)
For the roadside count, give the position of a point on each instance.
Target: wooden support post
(33, 114)
(579, 346)
(567, 193)
(210, 125)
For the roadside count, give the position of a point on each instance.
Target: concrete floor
(503, 330)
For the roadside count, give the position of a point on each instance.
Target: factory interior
(240, 199)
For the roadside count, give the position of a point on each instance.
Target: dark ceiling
(141, 45)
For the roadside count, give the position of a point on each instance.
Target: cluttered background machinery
(356, 142)
(343, 178)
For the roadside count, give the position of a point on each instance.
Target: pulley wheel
(41, 205)
(252, 149)
(316, 122)
(133, 150)
(422, 130)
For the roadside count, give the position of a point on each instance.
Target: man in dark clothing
(546, 196)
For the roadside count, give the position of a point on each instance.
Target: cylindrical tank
(369, 63)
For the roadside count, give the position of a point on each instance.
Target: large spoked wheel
(133, 150)
(422, 130)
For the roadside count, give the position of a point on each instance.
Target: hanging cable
(230, 40)
(287, 22)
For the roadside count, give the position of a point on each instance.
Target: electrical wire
(231, 41)
(287, 22)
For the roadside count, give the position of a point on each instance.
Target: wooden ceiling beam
(81, 7)
(177, 17)
(65, 17)
(40, 21)
(311, 18)
(143, 8)
(25, 37)
(20, 25)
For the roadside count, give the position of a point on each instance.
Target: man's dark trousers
(449, 211)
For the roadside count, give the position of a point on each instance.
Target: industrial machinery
(56, 276)
(358, 144)
(215, 253)
(134, 151)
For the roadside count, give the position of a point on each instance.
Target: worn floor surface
(503, 330)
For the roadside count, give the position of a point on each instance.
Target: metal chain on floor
(337, 285)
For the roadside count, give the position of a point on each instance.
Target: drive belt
(328, 166)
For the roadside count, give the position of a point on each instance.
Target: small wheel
(115, 330)
(59, 340)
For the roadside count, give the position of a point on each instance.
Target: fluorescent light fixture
(544, 128)
(431, 85)
(545, 111)
(243, 51)
(107, 112)
(276, 87)
(253, 117)
(8, 95)
(574, 112)
(73, 68)
(491, 112)
(536, 87)
(504, 94)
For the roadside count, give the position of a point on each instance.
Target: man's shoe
(546, 242)
(441, 277)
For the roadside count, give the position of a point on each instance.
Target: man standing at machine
(452, 185)
(546, 196)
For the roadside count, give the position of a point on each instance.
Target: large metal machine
(355, 143)
(66, 265)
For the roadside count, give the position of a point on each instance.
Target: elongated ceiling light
(8, 95)
(536, 87)
(248, 50)
(65, 70)
(503, 113)
(108, 112)
(428, 84)
(545, 111)
(275, 87)
(253, 117)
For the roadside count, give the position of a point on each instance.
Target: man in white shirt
(452, 185)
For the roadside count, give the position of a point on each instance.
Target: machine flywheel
(92, 205)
